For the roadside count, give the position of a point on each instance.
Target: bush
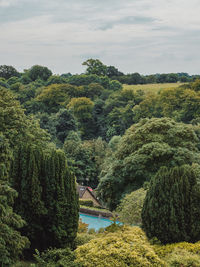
(183, 258)
(130, 207)
(125, 247)
(86, 202)
(163, 250)
(83, 238)
(82, 227)
(56, 258)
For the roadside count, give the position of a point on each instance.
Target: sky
(145, 36)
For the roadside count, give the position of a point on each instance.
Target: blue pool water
(95, 222)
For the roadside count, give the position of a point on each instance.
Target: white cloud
(140, 35)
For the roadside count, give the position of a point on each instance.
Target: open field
(154, 87)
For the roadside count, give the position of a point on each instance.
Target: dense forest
(138, 149)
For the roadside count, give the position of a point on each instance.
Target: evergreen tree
(171, 209)
(47, 197)
(11, 241)
(61, 201)
(29, 204)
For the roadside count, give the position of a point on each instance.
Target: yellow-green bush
(181, 257)
(126, 247)
(83, 238)
(163, 251)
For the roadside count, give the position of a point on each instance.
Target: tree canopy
(145, 147)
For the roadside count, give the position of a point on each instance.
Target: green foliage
(143, 149)
(86, 202)
(85, 158)
(179, 254)
(82, 227)
(83, 238)
(95, 66)
(39, 72)
(82, 107)
(47, 197)
(181, 257)
(15, 125)
(130, 207)
(56, 258)
(115, 85)
(55, 96)
(164, 250)
(26, 180)
(180, 103)
(12, 243)
(171, 208)
(5, 158)
(56, 79)
(126, 247)
(8, 71)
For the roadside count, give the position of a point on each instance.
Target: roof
(81, 190)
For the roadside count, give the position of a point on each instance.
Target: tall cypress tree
(61, 201)
(171, 208)
(47, 199)
(29, 204)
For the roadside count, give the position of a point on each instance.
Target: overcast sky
(145, 36)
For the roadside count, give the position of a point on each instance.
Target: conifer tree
(29, 204)
(61, 201)
(47, 198)
(11, 241)
(171, 209)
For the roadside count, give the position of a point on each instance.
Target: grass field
(154, 87)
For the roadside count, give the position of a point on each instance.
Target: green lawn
(154, 87)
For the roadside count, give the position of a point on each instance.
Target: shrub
(130, 207)
(83, 238)
(183, 258)
(86, 202)
(91, 231)
(163, 250)
(82, 227)
(56, 258)
(125, 247)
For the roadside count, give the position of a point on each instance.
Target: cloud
(140, 35)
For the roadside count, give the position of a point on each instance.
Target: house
(86, 192)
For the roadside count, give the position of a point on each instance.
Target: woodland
(138, 149)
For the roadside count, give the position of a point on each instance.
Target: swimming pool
(94, 222)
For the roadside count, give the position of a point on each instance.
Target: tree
(12, 243)
(29, 204)
(82, 108)
(55, 96)
(47, 197)
(143, 149)
(8, 71)
(39, 72)
(61, 201)
(95, 66)
(171, 208)
(130, 207)
(15, 125)
(113, 72)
